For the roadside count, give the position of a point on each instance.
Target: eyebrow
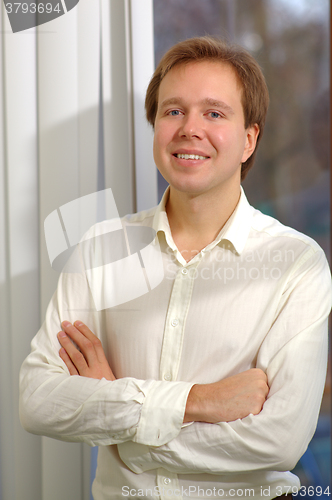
(215, 103)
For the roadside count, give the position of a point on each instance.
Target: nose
(191, 127)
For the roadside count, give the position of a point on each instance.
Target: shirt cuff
(162, 411)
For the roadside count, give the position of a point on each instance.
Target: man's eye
(174, 112)
(215, 114)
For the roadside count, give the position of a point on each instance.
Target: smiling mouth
(190, 157)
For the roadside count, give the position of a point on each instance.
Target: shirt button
(167, 480)
(174, 322)
(184, 271)
(167, 376)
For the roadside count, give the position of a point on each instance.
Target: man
(210, 384)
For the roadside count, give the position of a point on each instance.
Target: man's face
(200, 140)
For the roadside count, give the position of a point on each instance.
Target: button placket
(168, 484)
(175, 323)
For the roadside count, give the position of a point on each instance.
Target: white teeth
(190, 157)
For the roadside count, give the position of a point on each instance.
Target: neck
(196, 220)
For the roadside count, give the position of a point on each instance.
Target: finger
(76, 357)
(66, 359)
(101, 362)
(95, 341)
(83, 342)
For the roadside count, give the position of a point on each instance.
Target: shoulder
(298, 251)
(143, 218)
(271, 230)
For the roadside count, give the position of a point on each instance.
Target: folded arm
(274, 439)
(97, 410)
(145, 417)
(227, 400)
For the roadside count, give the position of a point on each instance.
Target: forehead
(201, 80)
(207, 76)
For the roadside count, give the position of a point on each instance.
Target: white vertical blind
(50, 105)
(19, 318)
(66, 90)
(117, 110)
(142, 69)
(128, 63)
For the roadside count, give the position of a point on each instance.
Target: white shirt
(257, 296)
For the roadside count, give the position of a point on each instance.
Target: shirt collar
(236, 230)
(160, 220)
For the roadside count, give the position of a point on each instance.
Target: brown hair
(255, 96)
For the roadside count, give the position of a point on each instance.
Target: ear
(251, 141)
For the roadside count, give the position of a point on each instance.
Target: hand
(90, 361)
(229, 399)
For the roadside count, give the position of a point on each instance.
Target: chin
(190, 188)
